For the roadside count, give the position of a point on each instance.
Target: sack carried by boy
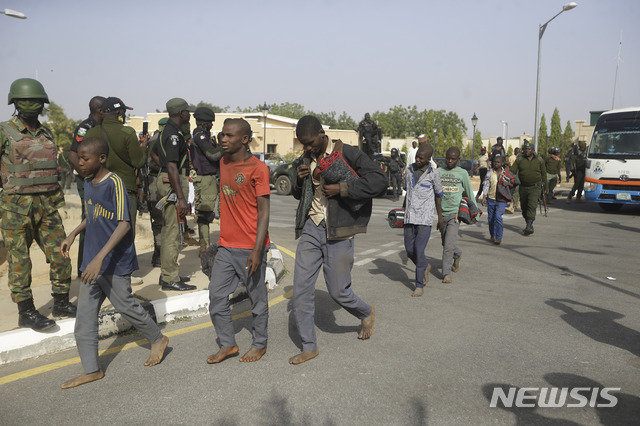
(334, 169)
(468, 210)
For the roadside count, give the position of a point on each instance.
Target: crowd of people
(335, 186)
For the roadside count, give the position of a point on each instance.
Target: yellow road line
(116, 349)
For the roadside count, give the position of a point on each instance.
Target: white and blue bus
(612, 176)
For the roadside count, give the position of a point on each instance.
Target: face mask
(185, 128)
(29, 108)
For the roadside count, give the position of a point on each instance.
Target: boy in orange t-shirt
(243, 243)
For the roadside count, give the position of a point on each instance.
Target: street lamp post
(435, 134)
(505, 130)
(265, 112)
(293, 127)
(474, 121)
(13, 13)
(541, 31)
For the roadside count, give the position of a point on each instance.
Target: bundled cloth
(468, 210)
(334, 169)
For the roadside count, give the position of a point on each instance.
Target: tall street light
(13, 13)
(505, 130)
(541, 30)
(474, 121)
(265, 112)
(435, 133)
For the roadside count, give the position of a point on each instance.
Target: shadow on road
(599, 324)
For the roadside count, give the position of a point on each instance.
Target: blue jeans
(495, 210)
(416, 238)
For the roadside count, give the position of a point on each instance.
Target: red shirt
(240, 185)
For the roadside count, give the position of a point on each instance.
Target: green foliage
(567, 138)
(509, 151)
(466, 151)
(404, 149)
(212, 107)
(291, 155)
(555, 139)
(542, 136)
(61, 126)
(402, 122)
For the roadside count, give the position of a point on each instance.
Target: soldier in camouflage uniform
(29, 204)
(205, 156)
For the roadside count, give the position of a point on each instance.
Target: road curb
(24, 343)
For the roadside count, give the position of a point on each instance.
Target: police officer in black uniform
(367, 133)
(173, 153)
(96, 114)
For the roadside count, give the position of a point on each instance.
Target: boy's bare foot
(447, 279)
(419, 291)
(366, 330)
(157, 351)
(253, 355)
(425, 279)
(222, 354)
(82, 379)
(456, 264)
(303, 356)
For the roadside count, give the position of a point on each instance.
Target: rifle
(172, 198)
(543, 201)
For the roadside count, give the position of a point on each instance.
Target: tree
(567, 138)
(542, 135)
(212, 107)
(61, 126)
(555, 139)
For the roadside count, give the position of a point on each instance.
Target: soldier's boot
(28, 316)
(62, 307)
(155, 258)
(528, 230)
(579, 199)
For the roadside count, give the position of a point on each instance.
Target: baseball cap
(113, 104)
(175, 105)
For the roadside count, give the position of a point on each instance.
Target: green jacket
(530, 171)
(553, 166)
(125, 153)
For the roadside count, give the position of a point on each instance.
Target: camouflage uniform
(30, 211)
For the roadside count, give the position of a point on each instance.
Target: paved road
(558, 309)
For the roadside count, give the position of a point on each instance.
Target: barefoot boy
(455, 181)
(243, 243)
(423, 192)
(109, 258)
(326, 225)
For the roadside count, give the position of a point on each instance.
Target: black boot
(62, 307)
(528, 230)
(29, 317)
(155, 258)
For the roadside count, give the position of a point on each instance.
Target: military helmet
(554, 150)
(27, 88)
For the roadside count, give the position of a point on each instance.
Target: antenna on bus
(615, 81)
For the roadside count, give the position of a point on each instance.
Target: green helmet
(27, 88)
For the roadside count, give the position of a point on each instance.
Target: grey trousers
(227, 272)
(118, 289)
(450, 250)
(336, 259)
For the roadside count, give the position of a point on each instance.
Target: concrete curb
(23, 343)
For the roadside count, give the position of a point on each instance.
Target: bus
(612, 176)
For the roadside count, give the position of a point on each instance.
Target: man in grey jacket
(326, 225)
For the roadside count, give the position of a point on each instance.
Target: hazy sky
(463, 56)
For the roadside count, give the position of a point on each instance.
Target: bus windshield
(616, 140)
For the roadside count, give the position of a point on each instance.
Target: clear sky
(356, 56)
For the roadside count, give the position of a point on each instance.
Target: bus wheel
(610, 207)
